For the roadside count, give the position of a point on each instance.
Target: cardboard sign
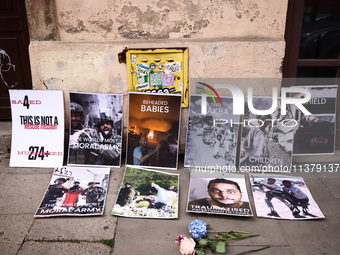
(37, 128)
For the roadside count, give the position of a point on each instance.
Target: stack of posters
(154, 121)
(95, 129)
(147, 194)
(217, 192)
(267, 140)
(37, 128)
(283, 197)
(212, 132)
(315, 133)
(75, 192)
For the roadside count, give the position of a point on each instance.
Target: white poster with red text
(37, 128)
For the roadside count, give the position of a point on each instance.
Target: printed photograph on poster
(267, 140)
(95, 129)
(75, 191)
(283, 197)
(315, 133)
(37, 128)
(153, 130)
(212, 132)
(218, 193)
(147, 194)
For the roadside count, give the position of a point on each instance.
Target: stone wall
(225, 38)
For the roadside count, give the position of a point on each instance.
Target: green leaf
(225, 236)
(203, 242)
(212, 246)
(220, 247)
(199, 251)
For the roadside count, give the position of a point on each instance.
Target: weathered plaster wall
(226, 38)
(41, 20)
(94, 67)
(163, 19)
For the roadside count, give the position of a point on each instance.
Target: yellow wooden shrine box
(159, 71)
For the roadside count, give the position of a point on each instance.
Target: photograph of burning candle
(153, 130)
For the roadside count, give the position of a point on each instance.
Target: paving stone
(22, 193)
(87, 228)
(331, 181)
(57, 248)
(147, 236)
(236, 249)
(13, 228)
(9, 248)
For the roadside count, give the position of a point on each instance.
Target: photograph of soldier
(75, 191)
(285, 197)
(212, 132)
(54, 191)
(147, 194)
(95, 129)
(126, 195)
(153, 130)
(267, 140)
(95, 195)
(315, 133)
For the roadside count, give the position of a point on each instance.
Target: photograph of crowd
(211, 136)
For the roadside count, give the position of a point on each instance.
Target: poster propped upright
(95, 129)
(37, 128)
(212, 133)
(315, 133)
(153, 137)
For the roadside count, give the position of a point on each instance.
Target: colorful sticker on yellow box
(168, 80)
(156, 79)
(173, 67)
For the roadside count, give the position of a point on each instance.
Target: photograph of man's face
(224, 193)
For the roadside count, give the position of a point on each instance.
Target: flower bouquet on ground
(216, 241)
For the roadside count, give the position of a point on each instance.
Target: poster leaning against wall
(153, 130)
(212, 132)
(95, 129)
(37, 128)
(315, 133)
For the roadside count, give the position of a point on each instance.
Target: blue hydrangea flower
(198, 229)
